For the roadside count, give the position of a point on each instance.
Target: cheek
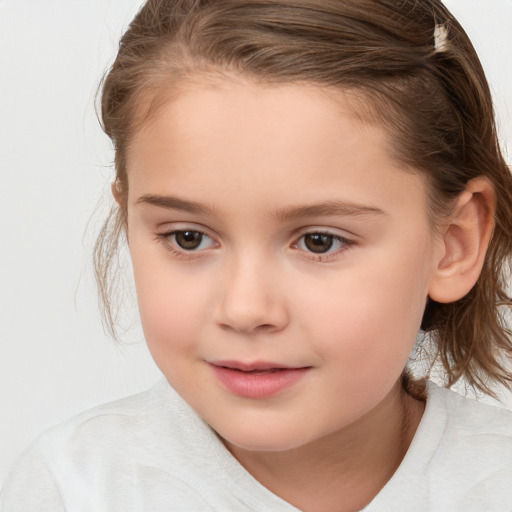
(369, 316)
(171, 304)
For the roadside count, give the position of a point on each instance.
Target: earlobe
(465, 240)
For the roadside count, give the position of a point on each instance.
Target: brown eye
(318, 242)
(188, 240)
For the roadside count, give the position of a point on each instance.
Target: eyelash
(168, 241)
(325, 256)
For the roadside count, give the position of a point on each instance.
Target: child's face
(269, 229)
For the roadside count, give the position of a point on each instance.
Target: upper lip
(255, 365)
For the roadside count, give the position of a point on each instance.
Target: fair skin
(271, 224)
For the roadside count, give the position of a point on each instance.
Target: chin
(263, 438)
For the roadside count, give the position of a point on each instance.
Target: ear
(464, 243)
(116, 192)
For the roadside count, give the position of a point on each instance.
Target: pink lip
(256, 380)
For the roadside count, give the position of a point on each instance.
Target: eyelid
(167, 227)
(167, 231)
(347, 243)
(344, 235)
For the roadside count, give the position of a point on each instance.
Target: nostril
(266, 327)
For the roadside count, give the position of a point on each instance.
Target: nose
(251, 299)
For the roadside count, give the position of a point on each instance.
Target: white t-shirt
(152, 453)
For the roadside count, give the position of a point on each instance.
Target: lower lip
(258, 384)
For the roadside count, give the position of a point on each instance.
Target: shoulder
(460, 459)
(476, 439)
(465, 451)
(154, 425)
(468, 419)
(131, 449)
(108, 425)
(31, 486)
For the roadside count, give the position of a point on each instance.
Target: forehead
(212, 95)
(253, 139)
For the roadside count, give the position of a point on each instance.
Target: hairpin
(440, 38)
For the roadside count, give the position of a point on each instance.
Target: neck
(345, 470)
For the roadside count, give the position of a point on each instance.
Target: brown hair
(415, 69)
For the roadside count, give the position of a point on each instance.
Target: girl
(303, 186)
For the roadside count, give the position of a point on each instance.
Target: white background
(55, 165)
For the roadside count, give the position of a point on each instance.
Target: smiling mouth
(256, 380)
(258, 366)
(259, 372)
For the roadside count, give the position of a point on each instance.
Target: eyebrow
(327, 208)
(175, 203)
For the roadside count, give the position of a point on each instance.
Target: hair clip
(440, 38)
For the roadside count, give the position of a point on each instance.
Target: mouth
(258, 379)
(254, 367)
